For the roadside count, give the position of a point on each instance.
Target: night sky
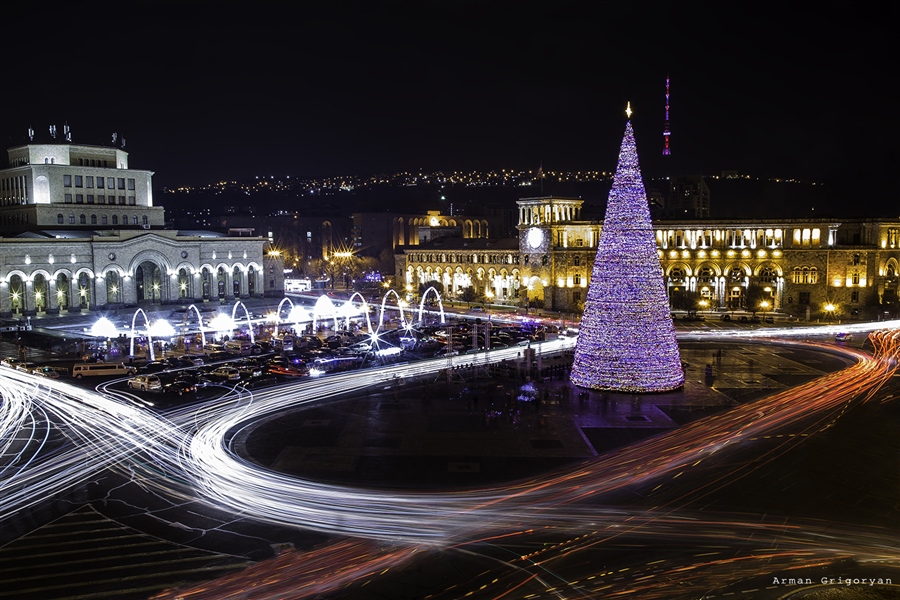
(208, 91)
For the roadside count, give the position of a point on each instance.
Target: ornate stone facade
(70, 252)
(797, 264)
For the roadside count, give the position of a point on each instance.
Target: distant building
(374, 231)
(68, 186)
(793, 265)
(688, 198)
(80, 232)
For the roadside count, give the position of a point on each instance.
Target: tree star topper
(628, 110)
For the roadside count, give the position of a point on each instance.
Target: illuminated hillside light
(627, 339)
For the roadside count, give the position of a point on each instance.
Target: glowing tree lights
(627, 340)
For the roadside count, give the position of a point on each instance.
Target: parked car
(145, 383)
(179, 387)
(225, 374)
(288, 371)
(155, 367)
(27, 367)
(258, 382)
(102, 370)
(46, 372)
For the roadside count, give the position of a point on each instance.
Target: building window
(768, 275)
(68, 198)
(144, 220)
(124, 219)
(854, 296)
(90, 198)
(103, 219)
(67, 180)
(854, 278)
(576, 279)
(122, 200)
(93, 219)
(576, 296)
(82, 219)
(59, 219)
(79, 198)
(79, 181)
(110, 183)
(100, 183)
(115, 220)
(131, 200)
(577, 261)
(805, 275)
(71, 219)
(101, 199)
(134, 220)
(131, 184)
(89, 181)
(121, 181)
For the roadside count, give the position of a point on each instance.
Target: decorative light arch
(199, 322)
(278, 312)
(403, 319)
(325, 305)
(146, 329)
(246, 314)
(422, 303)
(365, 310)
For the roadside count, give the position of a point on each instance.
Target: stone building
(793, 265)
(80, 232)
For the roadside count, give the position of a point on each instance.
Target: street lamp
(829, 310)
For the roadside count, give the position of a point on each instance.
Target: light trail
(188, 453)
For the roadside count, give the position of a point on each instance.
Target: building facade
(68, 186)
(804, 268)
(372, 232)
(80, 232)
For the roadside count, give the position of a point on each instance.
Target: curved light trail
(188, 452)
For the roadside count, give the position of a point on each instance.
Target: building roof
(58, 234)
(462, 244)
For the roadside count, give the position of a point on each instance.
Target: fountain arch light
(278, 312)
(103, 327)
(439, 301)
(146, 329)
(324, 305)
(222, 324)
(162, 328)
(199, 322)
(246, 314)
(403, 319)
(365, 311)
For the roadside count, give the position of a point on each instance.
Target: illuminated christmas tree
(627, 340)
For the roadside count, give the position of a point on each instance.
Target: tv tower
(666, 132)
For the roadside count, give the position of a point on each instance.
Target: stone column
(52, 298)
(5, 304)
(74, 296)
(197, 286)
(229, 286)
(129, 290)
(28, 299)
